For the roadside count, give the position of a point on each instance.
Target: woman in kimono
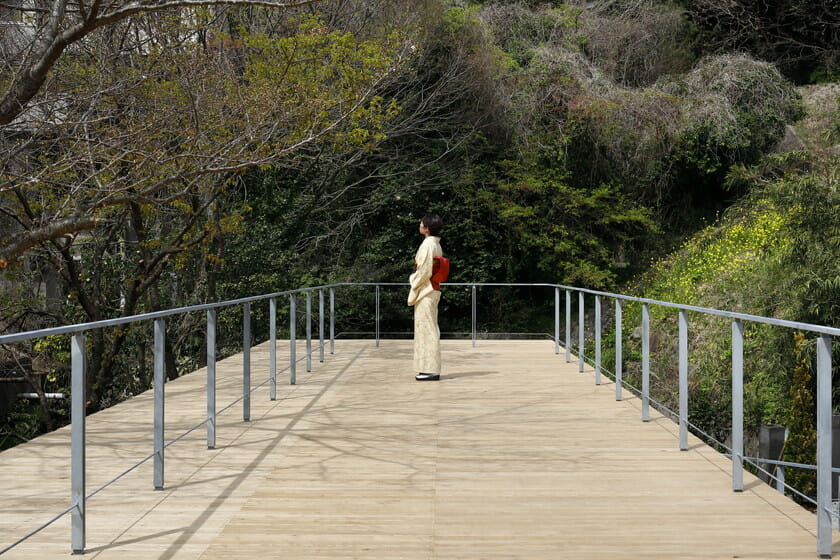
(425, 298)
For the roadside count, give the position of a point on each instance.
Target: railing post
(618, 348)
(211, 378)
(308, 330)
(568, 326)
(597, 340)
(77, 446)
(332, 320)
(737, 406)
(272, 349)
(474, 316)
(683, 344)
(581, 331)
(645, 362)
(556, 320)
(160, 379)
(246, 362)
(377, 315)
(321, 325)
(824, 446)
(780, 479)
(292, 340)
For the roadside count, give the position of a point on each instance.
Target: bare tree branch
(50, 42)
(20, 243)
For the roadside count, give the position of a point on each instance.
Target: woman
(425, 298)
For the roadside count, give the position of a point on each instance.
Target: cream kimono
(425, 300)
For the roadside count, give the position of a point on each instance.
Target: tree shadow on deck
(188, 531)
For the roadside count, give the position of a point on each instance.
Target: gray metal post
(474, 316)
(377, 315)
(160, 350)
(292, 340)
(581, 331)
(272, 349)
(321, 325)
(683, 344)
(78, 360)
(645, 362)
(737, 406)
(246, 362)
(568, 326)
(618, 348)
(780, 479)
(332, 320)
(556, 320)
(824, 446)
(308, 330)
(211, 378)
(597, 340)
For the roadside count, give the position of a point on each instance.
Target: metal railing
(78, 492)
(823, 502)
(77, 332)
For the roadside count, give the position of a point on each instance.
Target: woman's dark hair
(433, 222)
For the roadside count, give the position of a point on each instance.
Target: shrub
(639, 42)
(736, 110)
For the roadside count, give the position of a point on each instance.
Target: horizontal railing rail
(79, 495)
(70, 329)
(823, 501)
(735, 450)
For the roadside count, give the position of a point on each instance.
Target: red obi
(440, 272)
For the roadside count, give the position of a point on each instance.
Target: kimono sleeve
(424, 262)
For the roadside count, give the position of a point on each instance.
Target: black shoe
(427, 377)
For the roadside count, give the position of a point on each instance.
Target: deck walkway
(512, 455)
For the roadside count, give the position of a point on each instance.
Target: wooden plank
(513, 454)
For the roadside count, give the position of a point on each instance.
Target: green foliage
(767, 381)
(520, 31)
(813, 203)
(314, 72)
(774, 254)
(455, 19)
(721, 253)
(669, 144)
(739, 111)
(567, 233)
(726, 266)
(801, 446)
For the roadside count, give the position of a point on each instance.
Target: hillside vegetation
(773, 253)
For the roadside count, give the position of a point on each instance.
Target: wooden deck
(512, 455)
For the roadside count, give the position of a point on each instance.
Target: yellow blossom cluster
(722, 252)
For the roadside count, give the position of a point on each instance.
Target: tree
(61, 24)
(137, 149)
(153, 124)
(802, 37)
